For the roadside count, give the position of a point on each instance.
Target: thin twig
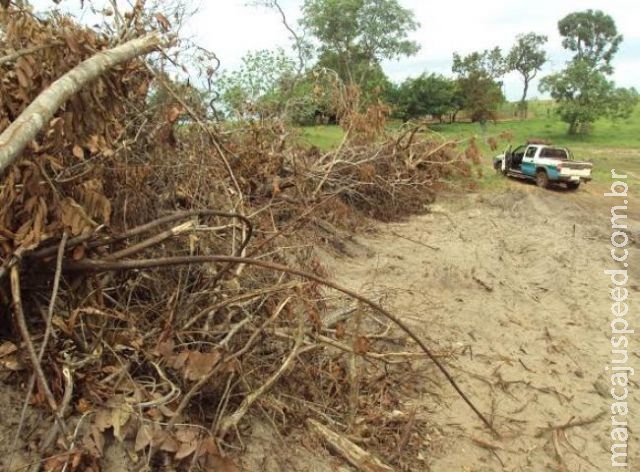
(24, 332)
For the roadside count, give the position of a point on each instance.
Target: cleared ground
(513, 284)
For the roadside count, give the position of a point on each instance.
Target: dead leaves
(74, 217)
(115, 417)
(182, 443)
(194, 365)
(58, 183)
(9, 357)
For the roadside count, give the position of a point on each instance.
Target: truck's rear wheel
(573, 185)
(542, 179)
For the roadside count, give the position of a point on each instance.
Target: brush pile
(159, 285)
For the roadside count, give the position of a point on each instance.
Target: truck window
(554, 153)
(530, 152)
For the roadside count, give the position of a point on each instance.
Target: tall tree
(527, 58)
(593, 36)
(477, 81)
(358, 31)
(583, 91)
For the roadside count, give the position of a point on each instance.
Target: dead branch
(24, 129)
(415, 242)
(572, 423)
(354, 454)
(26, 51)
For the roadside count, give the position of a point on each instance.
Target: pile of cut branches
(162, 280)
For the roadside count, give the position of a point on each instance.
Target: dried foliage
(176, 359)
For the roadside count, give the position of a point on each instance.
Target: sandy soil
(514, 284)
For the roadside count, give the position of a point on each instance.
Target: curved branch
(106, 266)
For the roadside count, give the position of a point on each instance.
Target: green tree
(478, 85)
(358, 32)
(527, 58)
(583, 91)
(425, 95)
(489, 63)
(593, 36)
(256, 87)
(373, 80)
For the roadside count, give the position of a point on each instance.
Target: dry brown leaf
(78, 253)
(186, 435)
(13, 363)
(119, 417)
(179, 360)
(163, 22)
(186, 449)
(341, 330)
(74, 217)
(207, 446)
(93, 144)
(173, 114)
(23, 79)
(361, 345)
(164, 349)
(170, 444)
(143, 437)
(78, 152)
(102, 419)
(200, 364)
(221, 464)
(7, 348)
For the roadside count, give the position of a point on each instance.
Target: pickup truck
(545, 164)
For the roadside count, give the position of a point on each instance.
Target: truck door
(528, 166)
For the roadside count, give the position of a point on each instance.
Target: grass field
(611, 144)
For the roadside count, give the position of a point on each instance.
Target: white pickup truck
(543, 163)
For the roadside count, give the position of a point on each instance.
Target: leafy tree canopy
(582, 90)
(490, 63)
(527, 58)
(425, 95)
(360, 30)
(593, 36)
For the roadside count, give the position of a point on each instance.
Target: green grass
(323, 137)
(611, 144)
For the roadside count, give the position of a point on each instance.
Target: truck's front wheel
(542, 179)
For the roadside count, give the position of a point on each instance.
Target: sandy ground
(514, 284)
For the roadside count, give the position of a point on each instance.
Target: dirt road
(514, 284)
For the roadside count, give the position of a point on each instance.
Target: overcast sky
(230, 28)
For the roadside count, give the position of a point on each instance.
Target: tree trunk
(574, 125)
(24, 129)
(523, 100)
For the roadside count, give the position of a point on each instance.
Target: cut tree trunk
(24, 129)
